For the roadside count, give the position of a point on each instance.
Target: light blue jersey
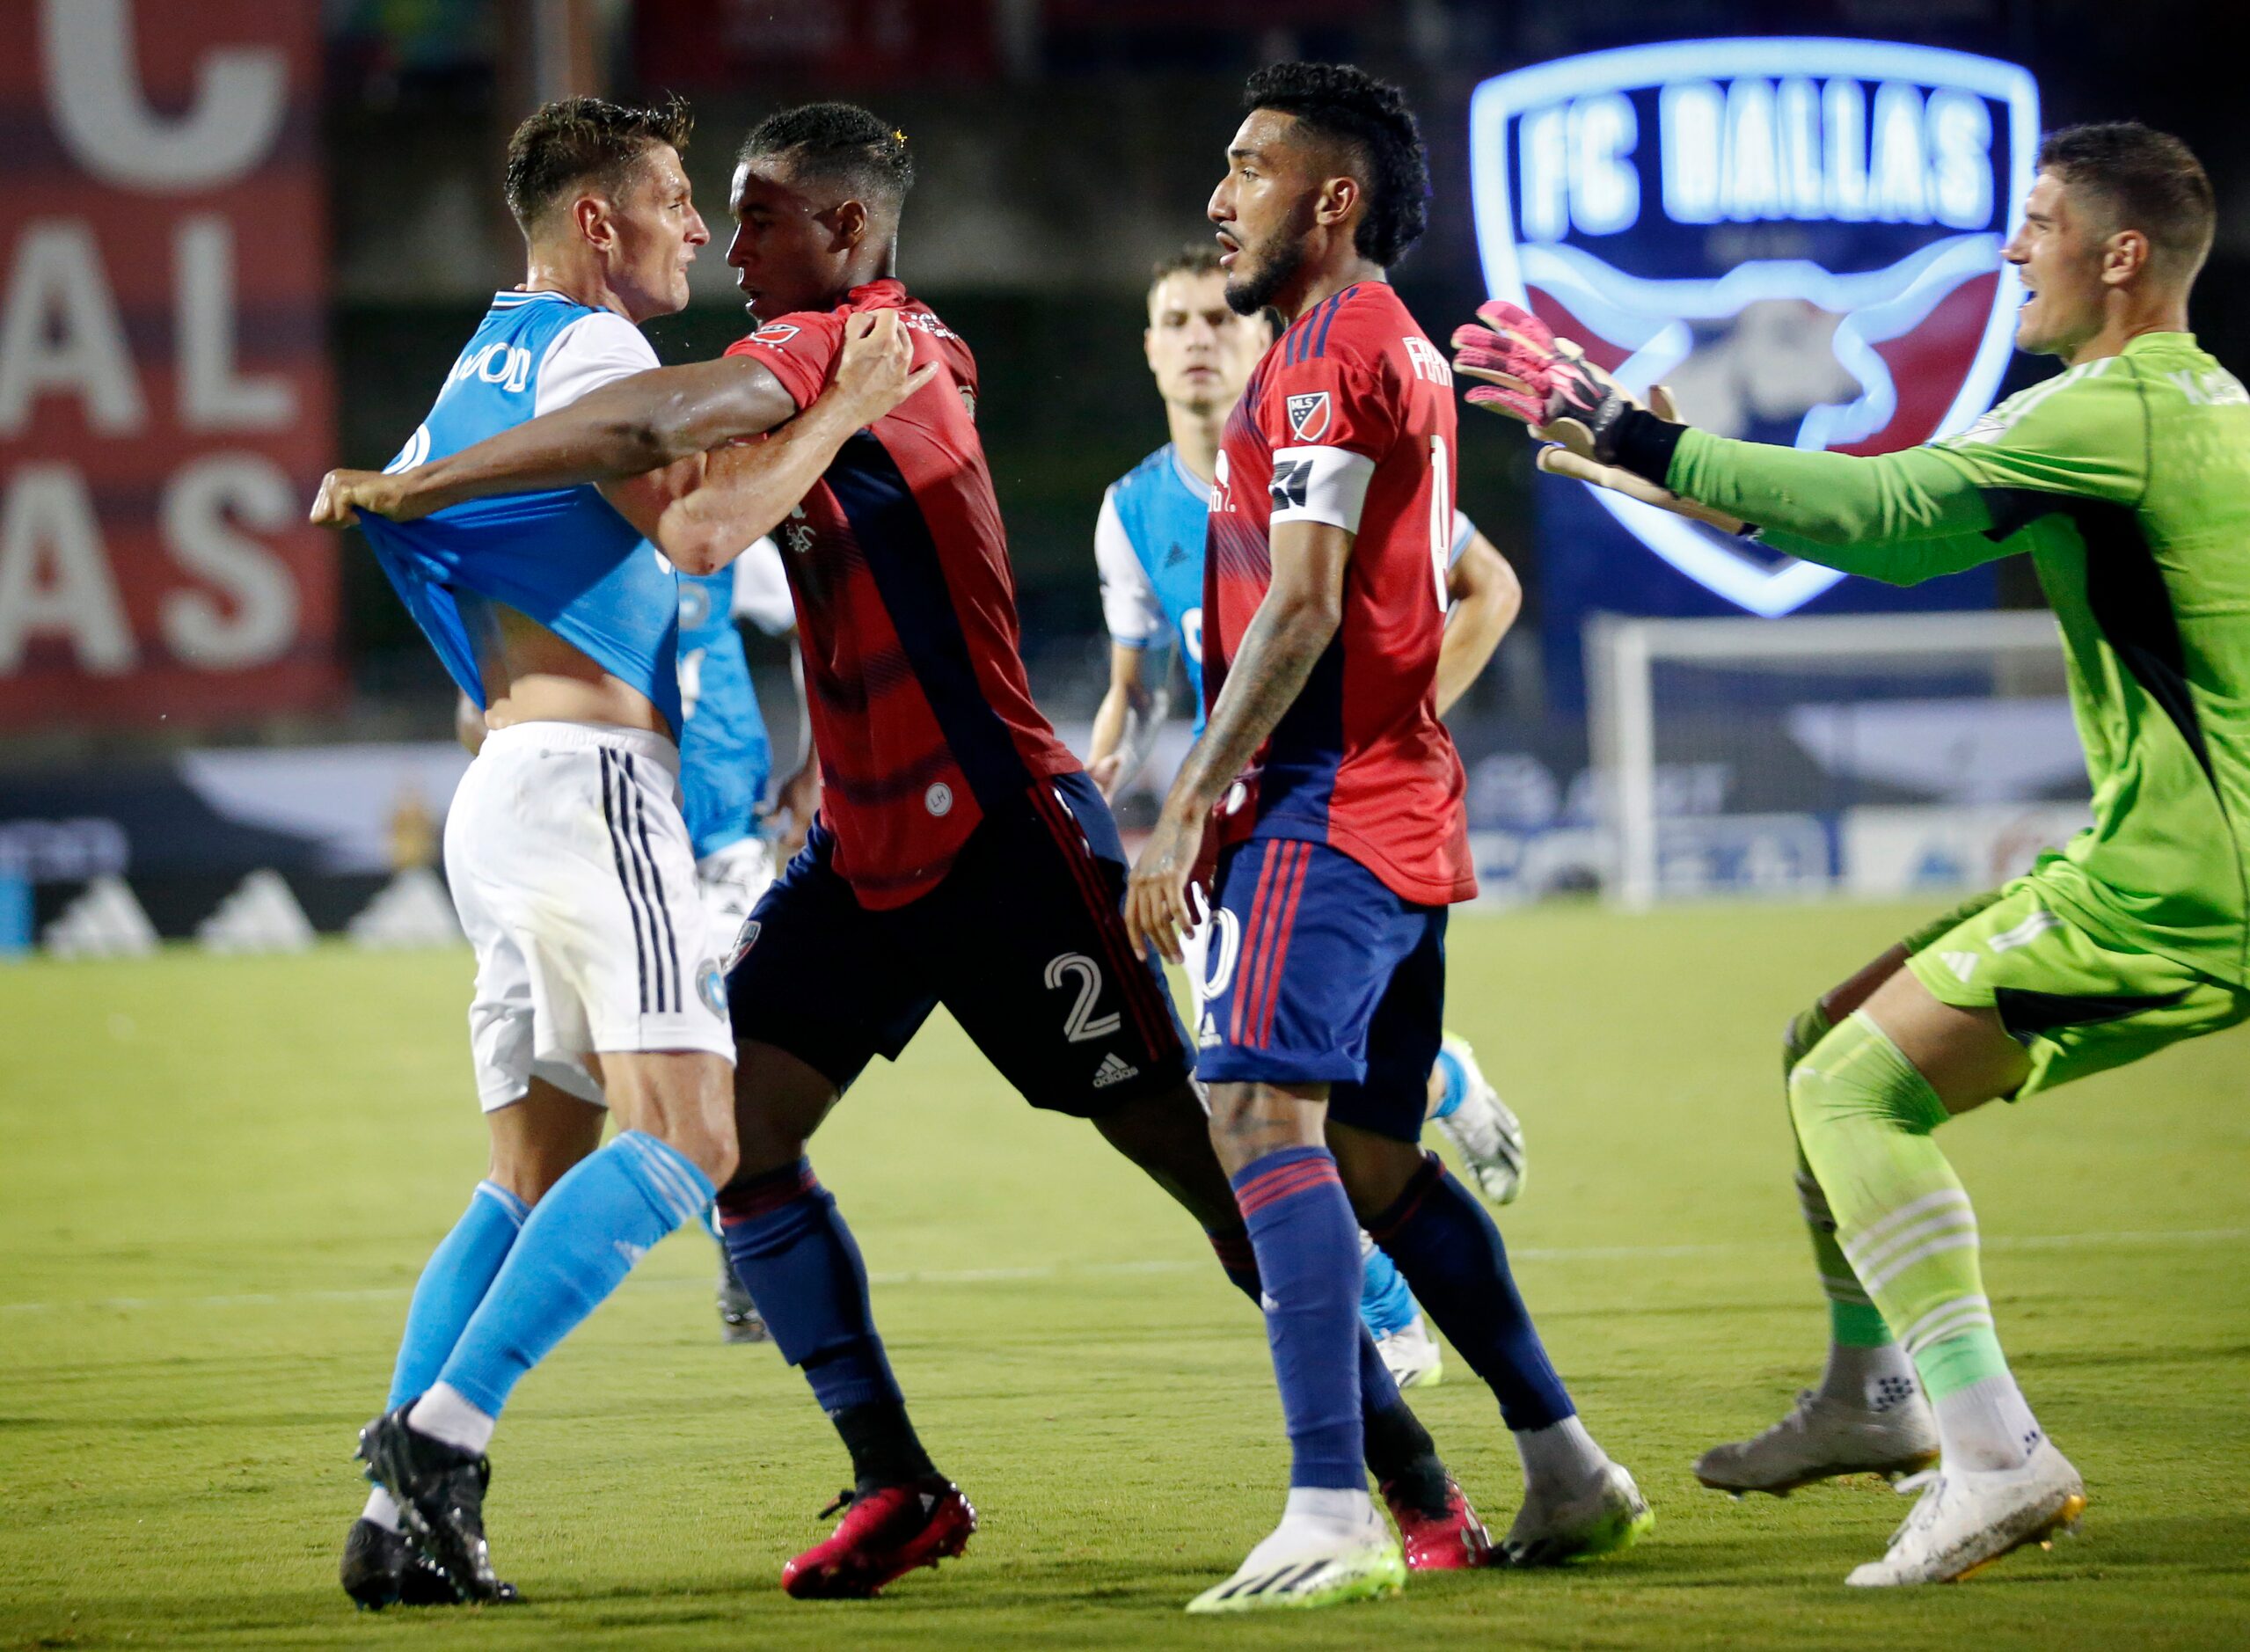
(1148, 545)
(562, 557)
(725, 758)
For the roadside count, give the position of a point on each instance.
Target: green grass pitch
(219, 1177)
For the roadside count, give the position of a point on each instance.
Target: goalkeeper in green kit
(2127, 479)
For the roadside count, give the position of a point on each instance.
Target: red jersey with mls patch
(1348, 420)
(906, 614)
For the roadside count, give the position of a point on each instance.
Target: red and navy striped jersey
(906, 614)
(1350, 420)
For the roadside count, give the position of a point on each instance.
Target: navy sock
(801, 1266)
(576, 1247)
(1307, 1247)
(454, 1281)
(1378, 1390)
(1446, 1244)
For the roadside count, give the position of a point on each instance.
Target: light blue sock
(1456, 1084)
(577, 1247)
(454, 1281)
(1385, 1302)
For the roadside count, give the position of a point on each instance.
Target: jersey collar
(1188, 479)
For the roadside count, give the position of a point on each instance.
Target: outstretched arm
(1902, 517)
(659, 421)
(1292, 628)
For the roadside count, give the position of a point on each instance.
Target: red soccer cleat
(885, 1535)
(1454, 1541)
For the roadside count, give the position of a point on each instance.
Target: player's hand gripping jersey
(2128, 481)
(906, 614)
(1349, 421)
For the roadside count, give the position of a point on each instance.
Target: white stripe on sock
(515, 1208)
(1945, 1311)
(1922, 1252)
(1966, 1321)
(1846, 1290)
(1875, 1230)
(681, 1196)
(1872, 1257)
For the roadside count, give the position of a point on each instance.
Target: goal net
(1878, 755)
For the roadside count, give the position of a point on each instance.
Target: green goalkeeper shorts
(2077, 1001)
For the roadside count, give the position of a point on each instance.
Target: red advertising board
(166, 402)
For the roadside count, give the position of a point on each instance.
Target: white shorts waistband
(635, 742)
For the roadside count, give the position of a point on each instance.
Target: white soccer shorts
(572, 872)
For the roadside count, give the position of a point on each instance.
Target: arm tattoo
(1278, 653)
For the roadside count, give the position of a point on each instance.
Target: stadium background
(201, 687)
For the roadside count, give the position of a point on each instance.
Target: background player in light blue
(1148, 546)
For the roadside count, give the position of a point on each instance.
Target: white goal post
(1623, 656)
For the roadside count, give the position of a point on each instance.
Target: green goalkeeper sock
(1853, 1321)
(1864, 1116)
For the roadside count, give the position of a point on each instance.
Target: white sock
(1987, 1425)
(444, 1415)
(1314, 1521)
(1559, 1459)
(381, 1509)
(1869, 1378)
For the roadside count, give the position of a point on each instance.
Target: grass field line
(1168, 1265)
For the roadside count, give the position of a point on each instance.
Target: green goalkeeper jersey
(2127, 479)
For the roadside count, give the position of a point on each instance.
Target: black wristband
(1643, 444)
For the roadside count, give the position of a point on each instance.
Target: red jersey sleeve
(1326, 402)
(798, 349)
(1328, 421)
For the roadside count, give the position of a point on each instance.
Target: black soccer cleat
(440, 1491)
(382, 1567)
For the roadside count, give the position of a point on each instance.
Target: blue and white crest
(1801, 236)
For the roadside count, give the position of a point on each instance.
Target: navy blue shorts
(1320, 974)
(1024, 941)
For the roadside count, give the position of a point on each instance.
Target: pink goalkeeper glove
(1531, 375)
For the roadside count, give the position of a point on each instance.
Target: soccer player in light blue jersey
(566, 852)
(1148, 546)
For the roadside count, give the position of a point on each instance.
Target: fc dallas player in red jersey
(1344, 838)
(961, 855)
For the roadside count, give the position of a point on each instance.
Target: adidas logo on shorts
(1114, 1071)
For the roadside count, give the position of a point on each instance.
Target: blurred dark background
(1062, 145)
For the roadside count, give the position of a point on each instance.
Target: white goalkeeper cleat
(1411, 1354)
(1966, 1519)
(1311, 1560)
(1820, 1439)
(1610, 1515)
(1485, 1132)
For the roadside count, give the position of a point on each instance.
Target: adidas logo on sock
(1114, 1071)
